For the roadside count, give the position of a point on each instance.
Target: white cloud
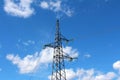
(108, 76)
(44, 5)
(26, 65)
(70, 51)
(69, 12)
(90, 74)
(70, 74)
(56, 6)
(116, 65)
(21, 9)
(30, 63)
(85, 74)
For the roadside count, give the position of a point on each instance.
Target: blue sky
(26, 25)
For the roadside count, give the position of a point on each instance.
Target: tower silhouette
(58, 65)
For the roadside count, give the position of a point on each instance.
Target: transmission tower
(58, 66)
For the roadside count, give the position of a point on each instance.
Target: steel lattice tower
(58, 66)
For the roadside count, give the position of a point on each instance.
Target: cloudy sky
(26, 25)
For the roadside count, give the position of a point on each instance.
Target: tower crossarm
(69, 57)
(65, 39)
(51, 45)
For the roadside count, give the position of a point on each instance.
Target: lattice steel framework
(58, 66)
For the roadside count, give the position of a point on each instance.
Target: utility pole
(58, 65)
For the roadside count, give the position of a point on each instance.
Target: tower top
(57, 23)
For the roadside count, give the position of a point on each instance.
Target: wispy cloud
(25, 45)
(87, 55)
(56, 6)
(29, 42)
(30, 63)
(21, 9)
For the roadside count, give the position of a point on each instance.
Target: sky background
(27, 25)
